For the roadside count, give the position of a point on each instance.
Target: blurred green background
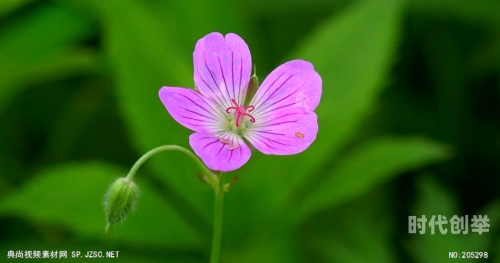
(408, 126)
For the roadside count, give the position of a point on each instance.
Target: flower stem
(216, 181)
(217, 234)
(212, 180)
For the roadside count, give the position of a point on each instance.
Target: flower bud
(253, 85)
(120, 199)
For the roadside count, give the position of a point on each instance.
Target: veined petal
(220, 155)
(191, 110)
(294, 84)
(284, 132)
(222, 68)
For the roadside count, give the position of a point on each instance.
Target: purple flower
(278, 120)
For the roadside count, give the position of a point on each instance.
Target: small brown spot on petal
(299, 135)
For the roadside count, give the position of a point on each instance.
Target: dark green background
(408, 125)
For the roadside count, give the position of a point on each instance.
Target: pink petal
(294, 84)
(217, 155)
(222, 68)
(284, 132)
(191, 110)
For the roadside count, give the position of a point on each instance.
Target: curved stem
(210, 176)
(216, 181)
(217, 234)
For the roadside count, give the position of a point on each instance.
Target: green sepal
(253, 85)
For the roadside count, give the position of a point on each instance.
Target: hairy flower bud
(120, 199)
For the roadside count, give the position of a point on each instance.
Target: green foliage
(79, 81)
(363, 233)
(368, 166)
(352, 74)
(139, 73)
(72, 195)
(483, 12)
(34, 45)
(8, 6)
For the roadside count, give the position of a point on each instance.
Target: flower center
(241, 111)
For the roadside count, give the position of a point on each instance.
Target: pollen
(299, 135)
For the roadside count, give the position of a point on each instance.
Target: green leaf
(36, 42)
(352, 53)
(434, 200)
(217, 16)
(72, 195)
(145, 56)
(64, 62)
(367, 166)
(351, 84)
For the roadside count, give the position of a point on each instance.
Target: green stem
(216, 181)
(212, 180)
(216, 238)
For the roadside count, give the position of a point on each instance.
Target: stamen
(240, 111)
